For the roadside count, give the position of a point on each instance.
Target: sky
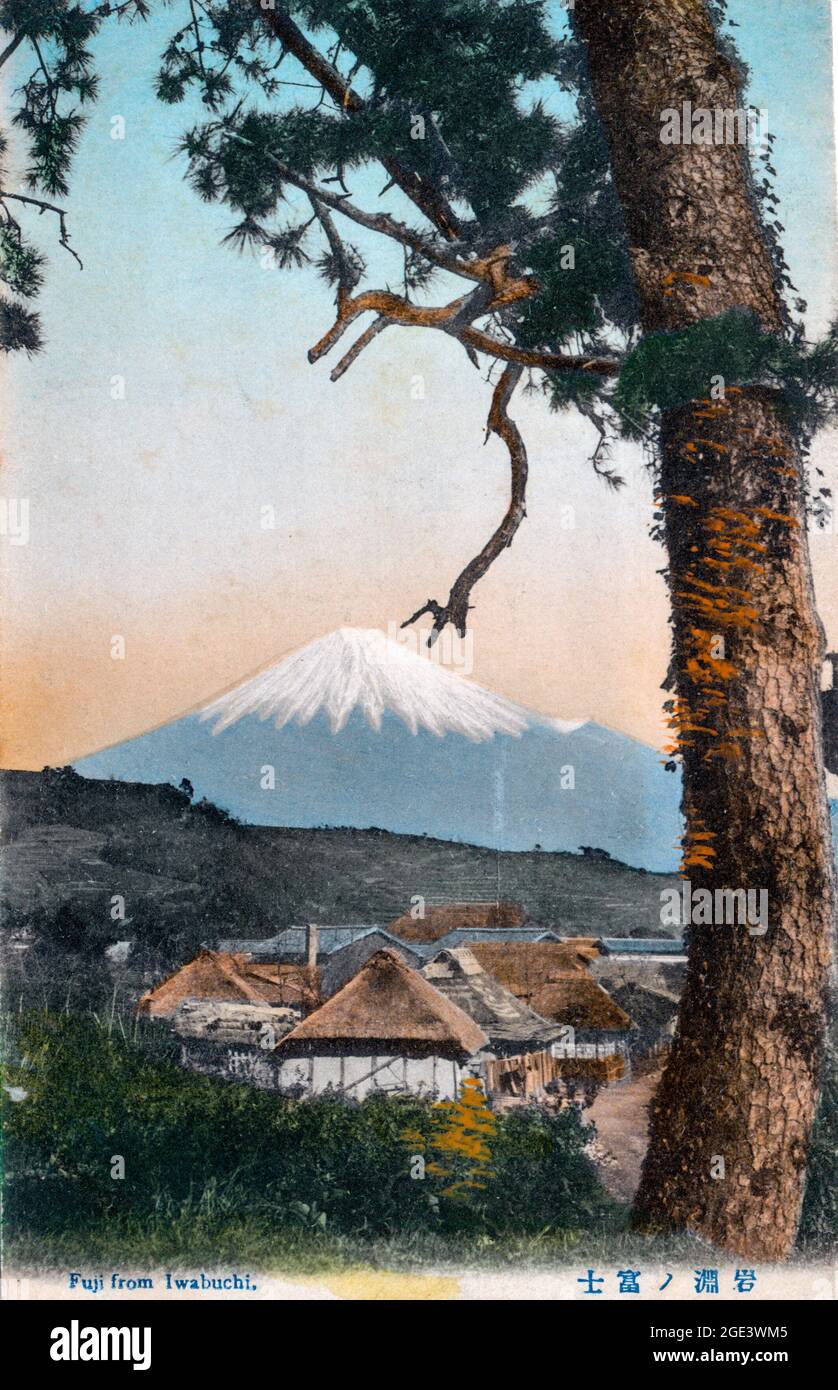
(147, 510)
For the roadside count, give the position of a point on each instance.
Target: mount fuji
(356, 730)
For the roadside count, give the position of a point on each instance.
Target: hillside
(72, 840)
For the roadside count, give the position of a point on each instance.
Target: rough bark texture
(742, 1081)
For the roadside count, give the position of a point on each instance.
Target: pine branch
(414, 185)
(61, 213)
(443, 256)
(490, 270)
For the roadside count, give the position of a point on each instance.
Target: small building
(245, 1025)
(340, 965)
(218, 975)
(232, 1040)
(310, 943)
(654, 1015)
(551, 980)
(388, 1030)
(438, 921)
(467, 936)
(511, 1027)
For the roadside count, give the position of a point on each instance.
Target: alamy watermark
(720, 907)
(702, 125)
(448, 648)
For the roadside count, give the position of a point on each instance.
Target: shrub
(819, 1216)
(222, 1150)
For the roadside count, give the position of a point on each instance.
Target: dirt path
(621, 1119)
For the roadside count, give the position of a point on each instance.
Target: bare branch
(534, 357)
(64, 236)
(12, 47)
(453, 319)
(456, 610)
(393, 307)
(358, 347)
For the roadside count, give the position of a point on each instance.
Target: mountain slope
(355, 730)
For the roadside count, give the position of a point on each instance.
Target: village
(420, 1004)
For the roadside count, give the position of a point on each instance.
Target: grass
(163, 1242)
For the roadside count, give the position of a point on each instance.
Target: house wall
(247, 1064)
(356, 1076)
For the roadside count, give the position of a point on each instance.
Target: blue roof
(294, 940)
(644, 945)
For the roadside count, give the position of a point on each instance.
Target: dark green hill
(188, 875)
(72, 838)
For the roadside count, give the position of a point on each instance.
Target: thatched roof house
(387, 1003)
(509, 1024)
(552, 980)
(448, 917)
(217, 975)
(387, 1029)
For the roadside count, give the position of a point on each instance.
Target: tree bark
(731, 1120)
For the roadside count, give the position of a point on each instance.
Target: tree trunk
(731, 1120)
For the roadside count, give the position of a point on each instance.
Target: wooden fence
(530, 1074)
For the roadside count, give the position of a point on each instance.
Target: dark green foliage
(20, 265)
(669, 369)
(468, 62)
(53, 37)
(819, 1217)
(595, 295)
(20, 329)
(325, 1163)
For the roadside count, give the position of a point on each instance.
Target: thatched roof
(439, 921)
(217, 975)
(388, 1002)
(587, 948)
(504, 1019)
(550, 978)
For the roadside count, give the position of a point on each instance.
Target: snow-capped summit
(346, 731)
(362, 668)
